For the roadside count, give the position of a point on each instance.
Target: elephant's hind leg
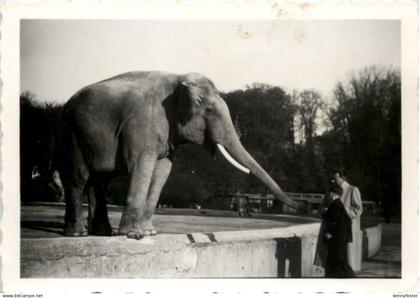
(159, 178)
(75, 176)
(98, 223)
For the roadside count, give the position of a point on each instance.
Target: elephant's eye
(209, 110)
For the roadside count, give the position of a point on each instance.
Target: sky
(59, 57)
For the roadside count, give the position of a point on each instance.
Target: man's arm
(332, 221)
(356, 207)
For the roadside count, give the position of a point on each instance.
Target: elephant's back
(107, 103)
(135, 76)
(92, 103)
(124, 89)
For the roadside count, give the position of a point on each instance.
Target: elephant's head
(204, 118)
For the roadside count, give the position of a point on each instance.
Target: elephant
(132, 124)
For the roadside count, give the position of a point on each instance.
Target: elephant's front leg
(140, 176)
(159, 178)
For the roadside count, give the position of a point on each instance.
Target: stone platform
(190, 244)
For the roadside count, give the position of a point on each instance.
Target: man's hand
(302, 208)
(327, 236)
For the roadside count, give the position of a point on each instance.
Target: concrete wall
(372, 240)
(282, 252)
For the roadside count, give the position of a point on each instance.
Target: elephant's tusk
(231, 159)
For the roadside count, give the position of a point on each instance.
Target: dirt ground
(46, 220)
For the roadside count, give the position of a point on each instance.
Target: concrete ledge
(281, 252)
(372, 240)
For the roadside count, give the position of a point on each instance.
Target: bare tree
(310, 106)
(367, 123)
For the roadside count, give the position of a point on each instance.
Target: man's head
(337, 178)
(335, 190)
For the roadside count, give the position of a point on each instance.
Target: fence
(258, 203)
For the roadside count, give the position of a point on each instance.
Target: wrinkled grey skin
(132, 123)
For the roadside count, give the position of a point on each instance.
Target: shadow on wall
(289, 257)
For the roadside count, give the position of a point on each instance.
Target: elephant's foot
(77, 229)
(132, 231)
(150, 232)
(100, 228)
(136, 226)
(139, 234)
(147, 227)
(136, 232)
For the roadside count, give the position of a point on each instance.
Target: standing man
(352, 202)
(337, 235)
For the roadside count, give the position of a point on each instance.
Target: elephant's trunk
(237, 152)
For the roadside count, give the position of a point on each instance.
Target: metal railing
(308, 197)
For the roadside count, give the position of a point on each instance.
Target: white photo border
(405, 11)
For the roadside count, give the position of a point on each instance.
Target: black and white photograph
(206, 148)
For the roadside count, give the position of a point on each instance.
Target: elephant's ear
(189, 100)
